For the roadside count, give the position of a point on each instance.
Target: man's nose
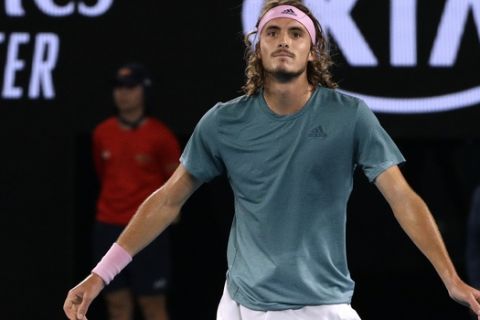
(283, 40)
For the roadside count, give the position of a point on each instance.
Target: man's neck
(287, 98)
(131, 119)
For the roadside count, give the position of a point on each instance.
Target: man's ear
(257, 51)
(311, 54)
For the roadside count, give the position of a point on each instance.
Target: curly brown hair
(318, 70)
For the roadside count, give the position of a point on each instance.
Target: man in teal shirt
(289, 148)
(291, 177)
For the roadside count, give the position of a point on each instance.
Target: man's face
(285, 47)
(128, 98)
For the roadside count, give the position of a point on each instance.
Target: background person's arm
(416, 220)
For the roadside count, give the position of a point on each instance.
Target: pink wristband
(112, 263)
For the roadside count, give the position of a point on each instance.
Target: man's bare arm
(151, 218)
(158, 211)
(416, 220)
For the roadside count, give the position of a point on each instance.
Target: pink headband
(291, 12)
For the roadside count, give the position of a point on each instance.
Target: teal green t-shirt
(291, 178)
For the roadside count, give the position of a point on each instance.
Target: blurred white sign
(335, 17)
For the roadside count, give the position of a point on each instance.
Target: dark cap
(131, 75)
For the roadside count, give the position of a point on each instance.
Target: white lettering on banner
(44, 60)
(99, 9)
(335, 17)
(444, 102)
(250, 12)
(47, 46)
(337, 22)
(451, 29)
(49, 7)
(13, 65)
(14, 8)
(403, 33)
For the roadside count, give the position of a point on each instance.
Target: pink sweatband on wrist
(112, 263)
(291, 12)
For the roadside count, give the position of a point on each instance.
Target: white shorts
(230, 310)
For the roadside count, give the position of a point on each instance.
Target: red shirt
(131, 164)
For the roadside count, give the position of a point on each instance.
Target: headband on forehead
(291, 12)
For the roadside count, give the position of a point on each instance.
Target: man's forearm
(158, 211)
(152, 217)
(417, 221)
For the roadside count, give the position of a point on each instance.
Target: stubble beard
(284, 76)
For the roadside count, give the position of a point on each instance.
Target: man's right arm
(152, 217)
(157, 212)
(473, 240)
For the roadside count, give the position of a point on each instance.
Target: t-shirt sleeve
(201, 156)
(375, 150)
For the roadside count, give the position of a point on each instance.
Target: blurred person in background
(289, 147)
(134, 154)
